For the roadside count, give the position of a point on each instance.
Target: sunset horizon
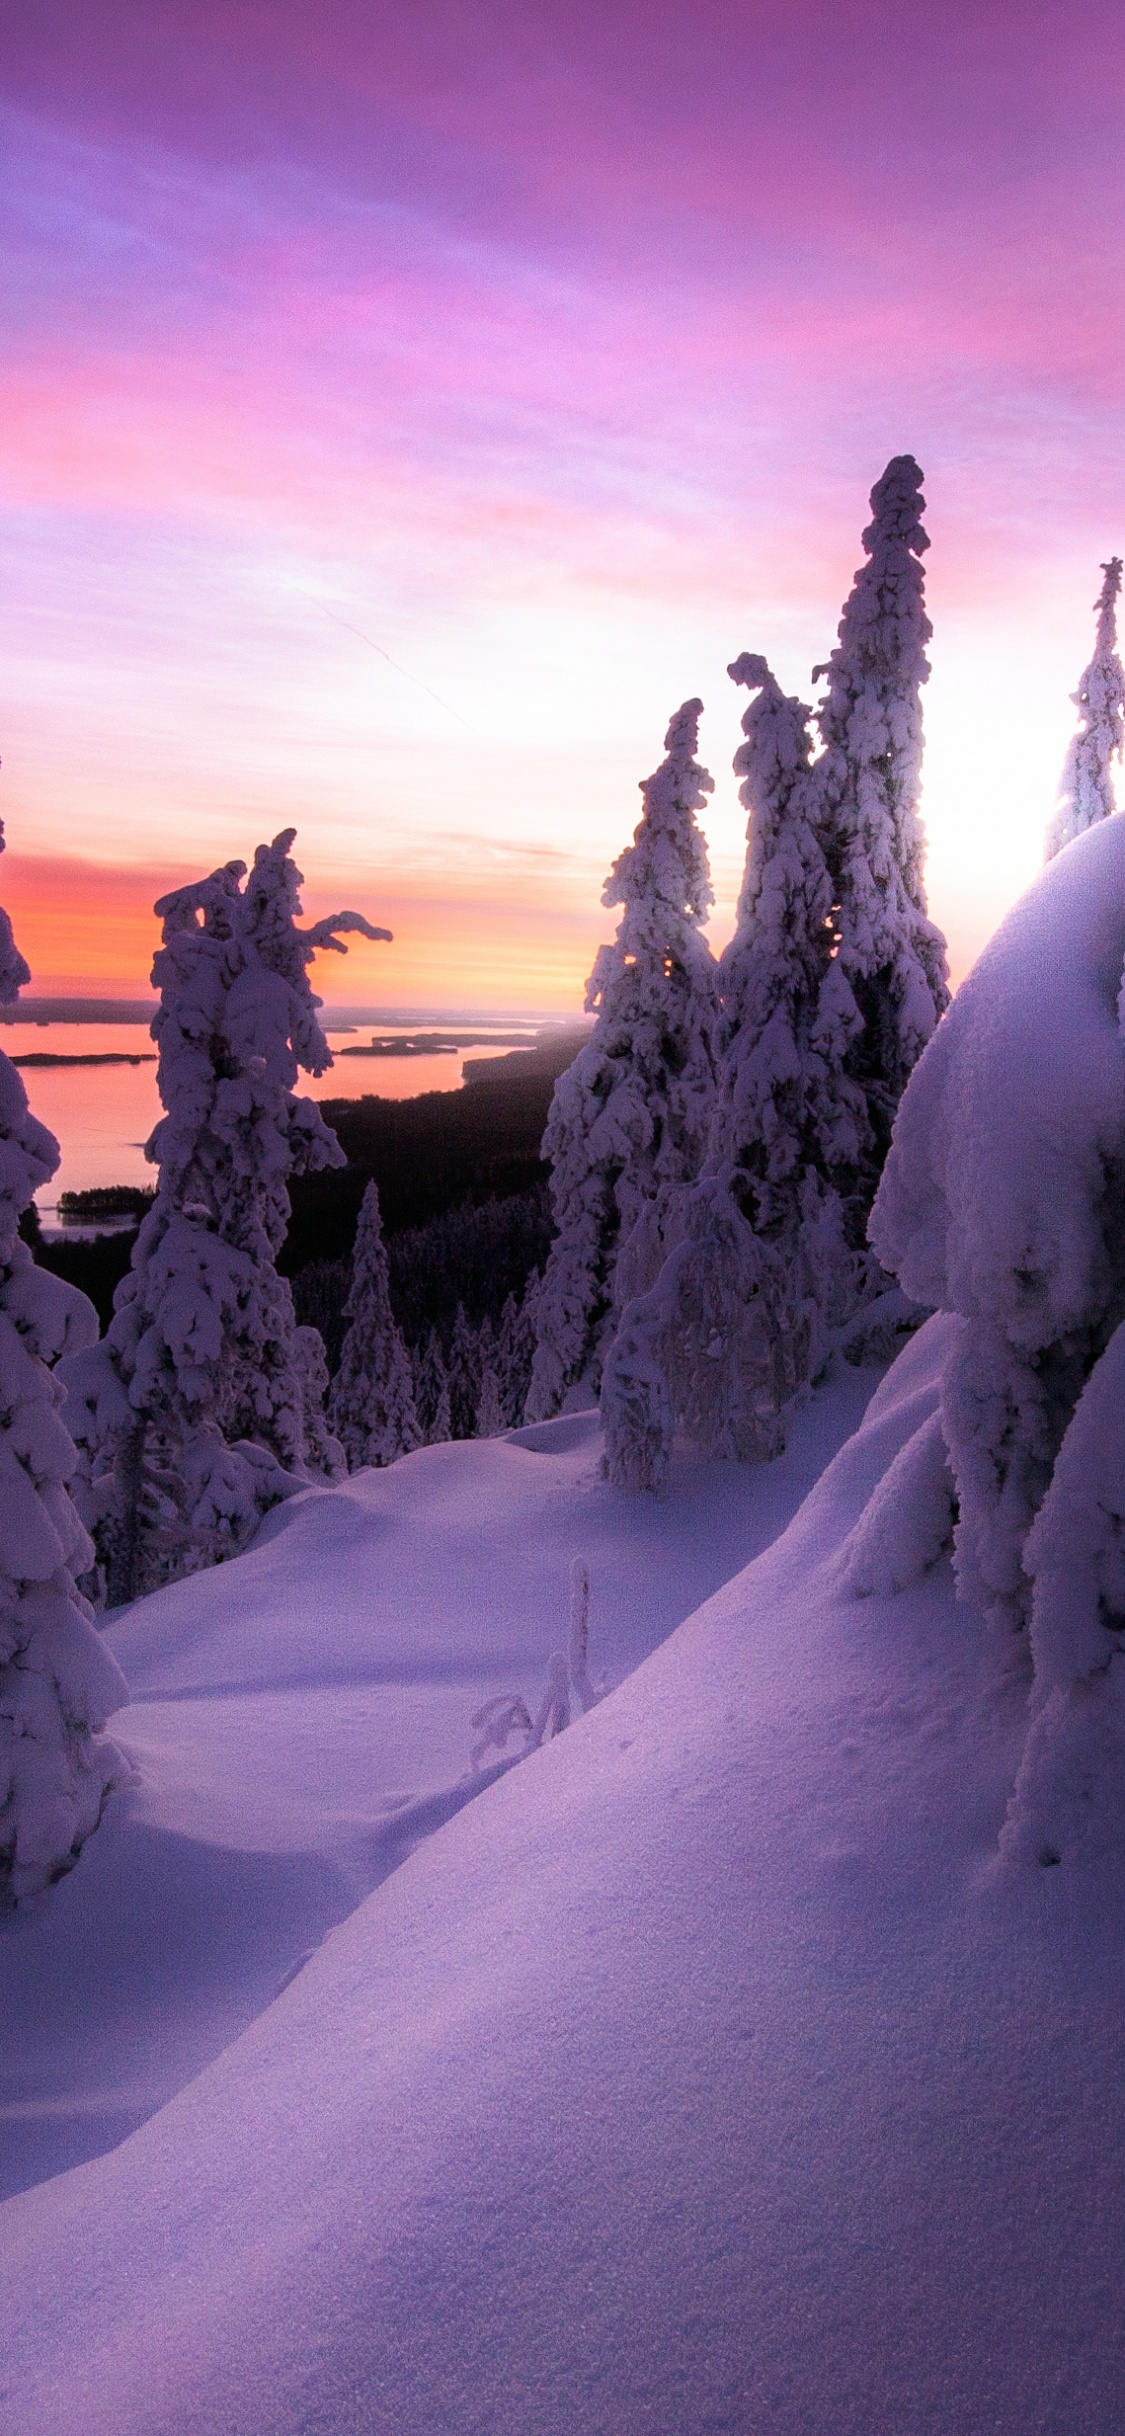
(401, 425)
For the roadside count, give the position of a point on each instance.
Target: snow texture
(300, 1722)
(191, 1414)
(628, 1120)
(58, 1683)
(890, 954)
(704, 2074)
(1086, 790)
(372, 1401)
(748, 1302)
(1002, 1202)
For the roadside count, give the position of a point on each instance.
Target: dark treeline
(475, 1257)
(462, 1189)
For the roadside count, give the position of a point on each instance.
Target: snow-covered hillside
(301, 1719)
(708, 2073)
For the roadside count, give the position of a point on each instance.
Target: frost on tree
(1086, 788)
(372, 1405)
(192, 1412)
(889, 952)
(58, 1682)
(431, 1391)
(1003, 1203)
(745, 1306)
(324, 1454)
(628, 1119)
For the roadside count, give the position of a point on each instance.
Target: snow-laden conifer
(628, 1120)
(744, 1308)
(431, 1391)
(372, 1405)
(489, 1419)
(192, 1410)
(325, 1458)
(1002, 1205)
(515, 1349)
(463, 1372)
(890, 954)
(58, 1682)
(1086, 790)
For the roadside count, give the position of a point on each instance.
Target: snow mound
(303, 1718)
(1002, 1202)
(704, 2075)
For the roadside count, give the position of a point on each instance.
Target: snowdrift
(301, 1720)
(708, 2073)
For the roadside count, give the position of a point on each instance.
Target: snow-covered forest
(562, 1768)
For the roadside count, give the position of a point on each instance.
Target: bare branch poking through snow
(578, 1651)
(507, 1714)
(499, 1718)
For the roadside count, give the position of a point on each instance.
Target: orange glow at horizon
(88, 930)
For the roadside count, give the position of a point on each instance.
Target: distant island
(97, 1057)
(436, 1044)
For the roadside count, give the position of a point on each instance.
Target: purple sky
(555, 351)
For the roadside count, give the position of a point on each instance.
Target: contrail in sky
(385, 655)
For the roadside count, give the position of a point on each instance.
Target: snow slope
(705, 2075)
(301, 1719)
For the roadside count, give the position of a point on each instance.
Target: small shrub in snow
(507, 1714)
(1086, 788)
(372, 1401)
(191, 1412)
(628, 1119)
(58, 1682)
(494, 1725)
(554, 1713)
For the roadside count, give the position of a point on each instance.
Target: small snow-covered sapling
(499, 1717)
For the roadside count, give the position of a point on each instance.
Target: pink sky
(554, 352)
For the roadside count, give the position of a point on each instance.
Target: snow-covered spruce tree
(628, 1119)
(58, 1682)
(744, 1309)
(889, 952)
(490, 1421)
(431, 1391)
(191, 1410)
(515, 1349)
(372, 1406)
(463, 1374)
(1003, 1203)
(1086, 787)
(324, 1455)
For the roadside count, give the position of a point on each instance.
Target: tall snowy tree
(58, 1682)
(889, 952)
(192, 1409)
(1086, 790)
(372, 1406)
(628, 1120)
(743, 1311)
